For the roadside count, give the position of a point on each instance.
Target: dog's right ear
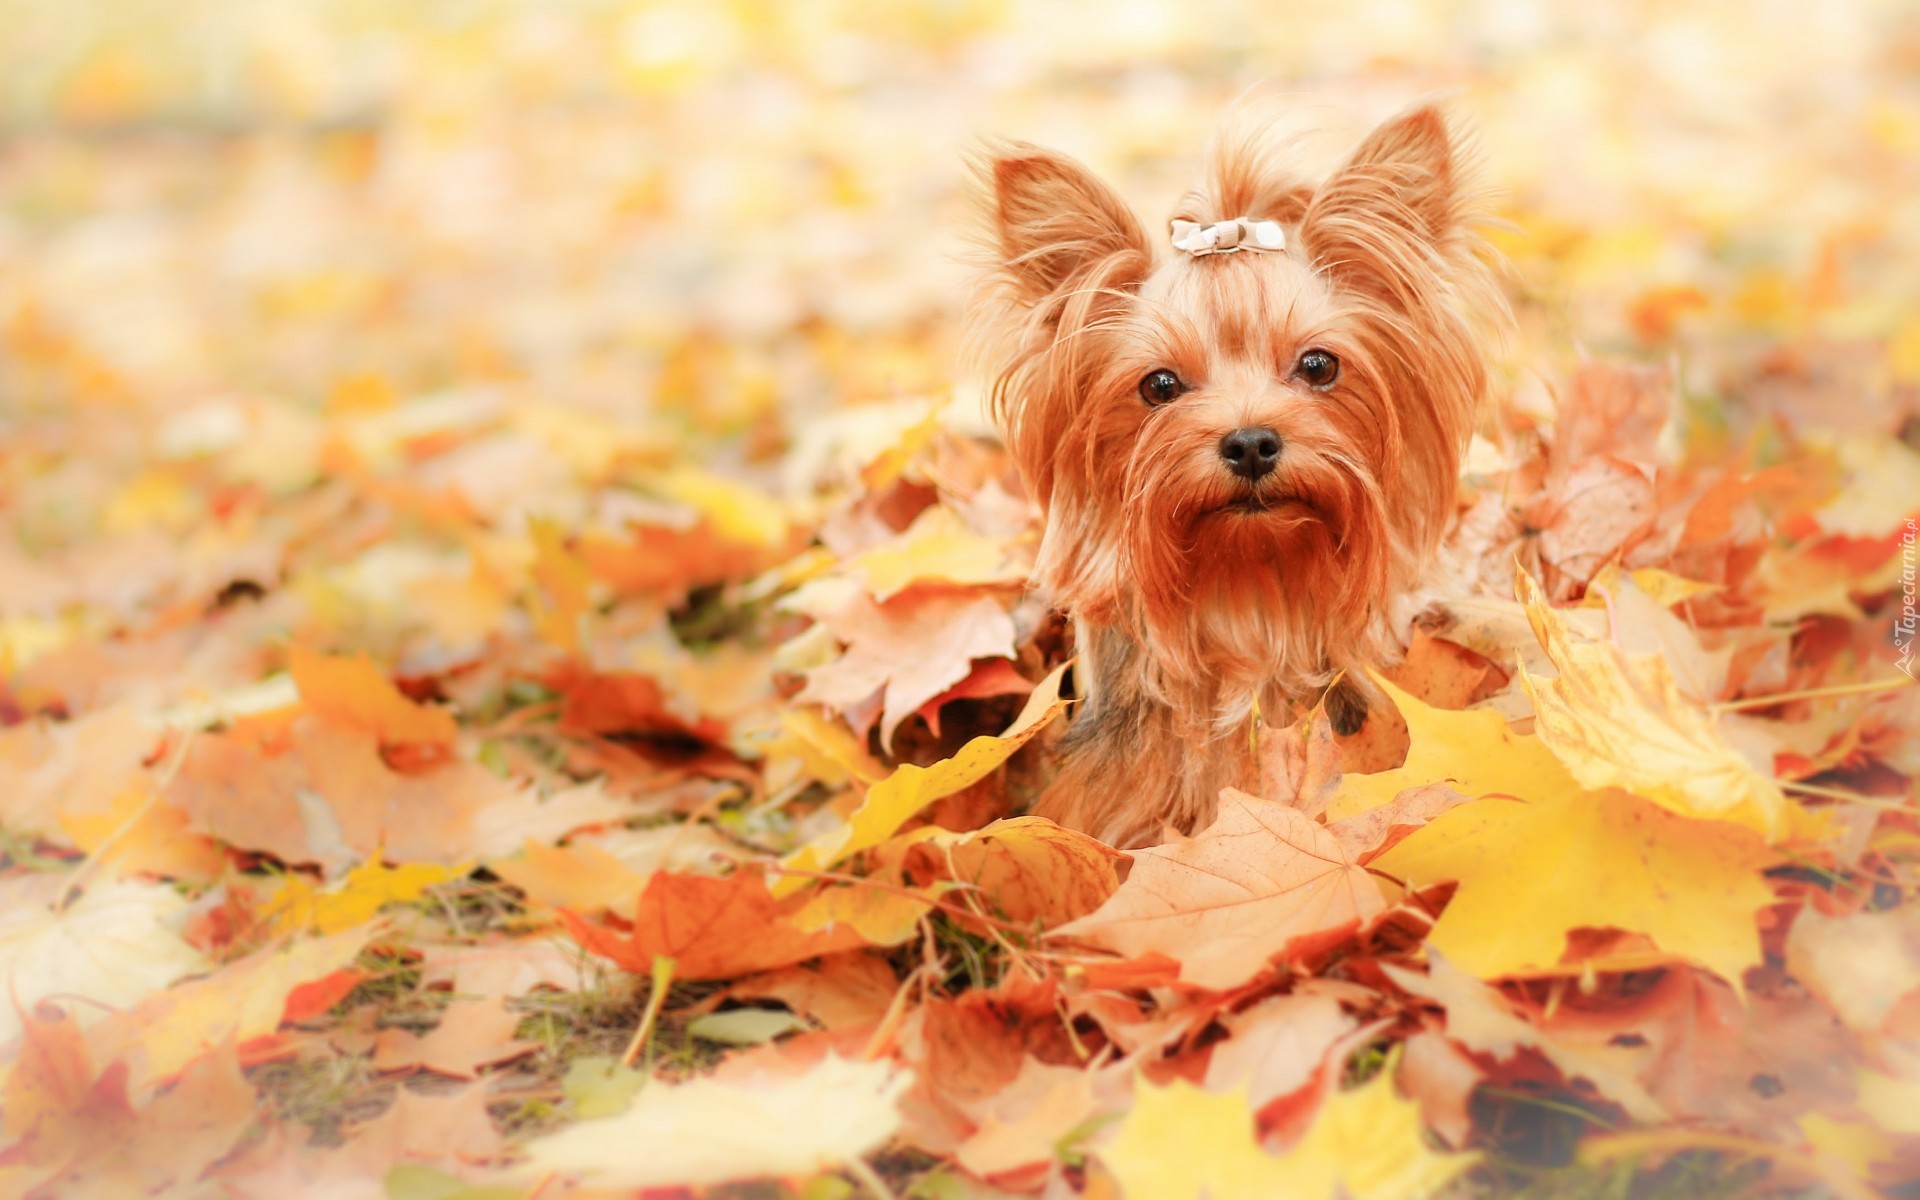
(1054, 228)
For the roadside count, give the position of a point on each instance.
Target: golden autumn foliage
(517, 677)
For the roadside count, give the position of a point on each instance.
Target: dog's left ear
(1377, 222)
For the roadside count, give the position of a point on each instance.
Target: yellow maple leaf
(1664, 587)
(936, 546)
(890, 803)
(1366, 1143)
(1530, 871)
(356, 899)
(1620, 720)
(739, 513)
(1474, 748)
(563, 580)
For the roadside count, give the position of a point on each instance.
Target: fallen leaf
(242, 1003)
(744, 1026)
(357, 898)
(353, 692)
(1862, 964)
(112, 946)
(1619, 721)
(914, 646)
(894, 800)
(143, 835)
(1475, 750)
(1277, 1046)
(1024, 1124)
(839, 990)
(471, 1035)
(1371, 832)
(1365, 1143)
(582, 877)
(937, 546)
(713, 928)
(445, 1128)
(706, 1131)
(1228, 900)
(1586, 860)
(1482, 1020)
(1026, 870)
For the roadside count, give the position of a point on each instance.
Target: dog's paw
(1346, 708)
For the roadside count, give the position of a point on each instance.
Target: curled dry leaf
(1618, 720)
(893, 801)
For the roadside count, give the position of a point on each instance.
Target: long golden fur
(1199, 593)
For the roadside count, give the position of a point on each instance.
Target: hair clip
(1224, 237)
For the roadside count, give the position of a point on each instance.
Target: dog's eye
(1318, 368)
(1161, 386)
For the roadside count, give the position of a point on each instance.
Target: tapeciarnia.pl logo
(1906, 621)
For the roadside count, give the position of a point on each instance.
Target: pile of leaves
(439, 775)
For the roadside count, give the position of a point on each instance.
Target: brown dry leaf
(142, 835)
(581, 877)
(1261, 880)
(446, 1128)
(1024, 869)
(1757, 1063)
(170, 1142)
(837, 991)
(321, 792)
(471, 1035)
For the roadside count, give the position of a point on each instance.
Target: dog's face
(1240, 454)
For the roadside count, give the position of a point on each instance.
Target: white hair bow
(1224, 237)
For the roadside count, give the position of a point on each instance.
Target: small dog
(1246, 443)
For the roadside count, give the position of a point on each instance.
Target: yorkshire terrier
(1245, 439)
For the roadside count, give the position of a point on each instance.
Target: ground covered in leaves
(515, 675)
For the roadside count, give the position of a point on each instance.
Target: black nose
(1251, 452)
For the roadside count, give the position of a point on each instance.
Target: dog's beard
(1241, 582)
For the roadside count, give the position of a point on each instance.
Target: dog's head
(1242, 435)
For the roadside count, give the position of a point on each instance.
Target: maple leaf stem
(175, 761)
(1838, 689)
(656, 999)
(890, 1020)
(869, 1178)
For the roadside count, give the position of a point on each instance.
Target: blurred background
(699, 224)
(741, 204)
